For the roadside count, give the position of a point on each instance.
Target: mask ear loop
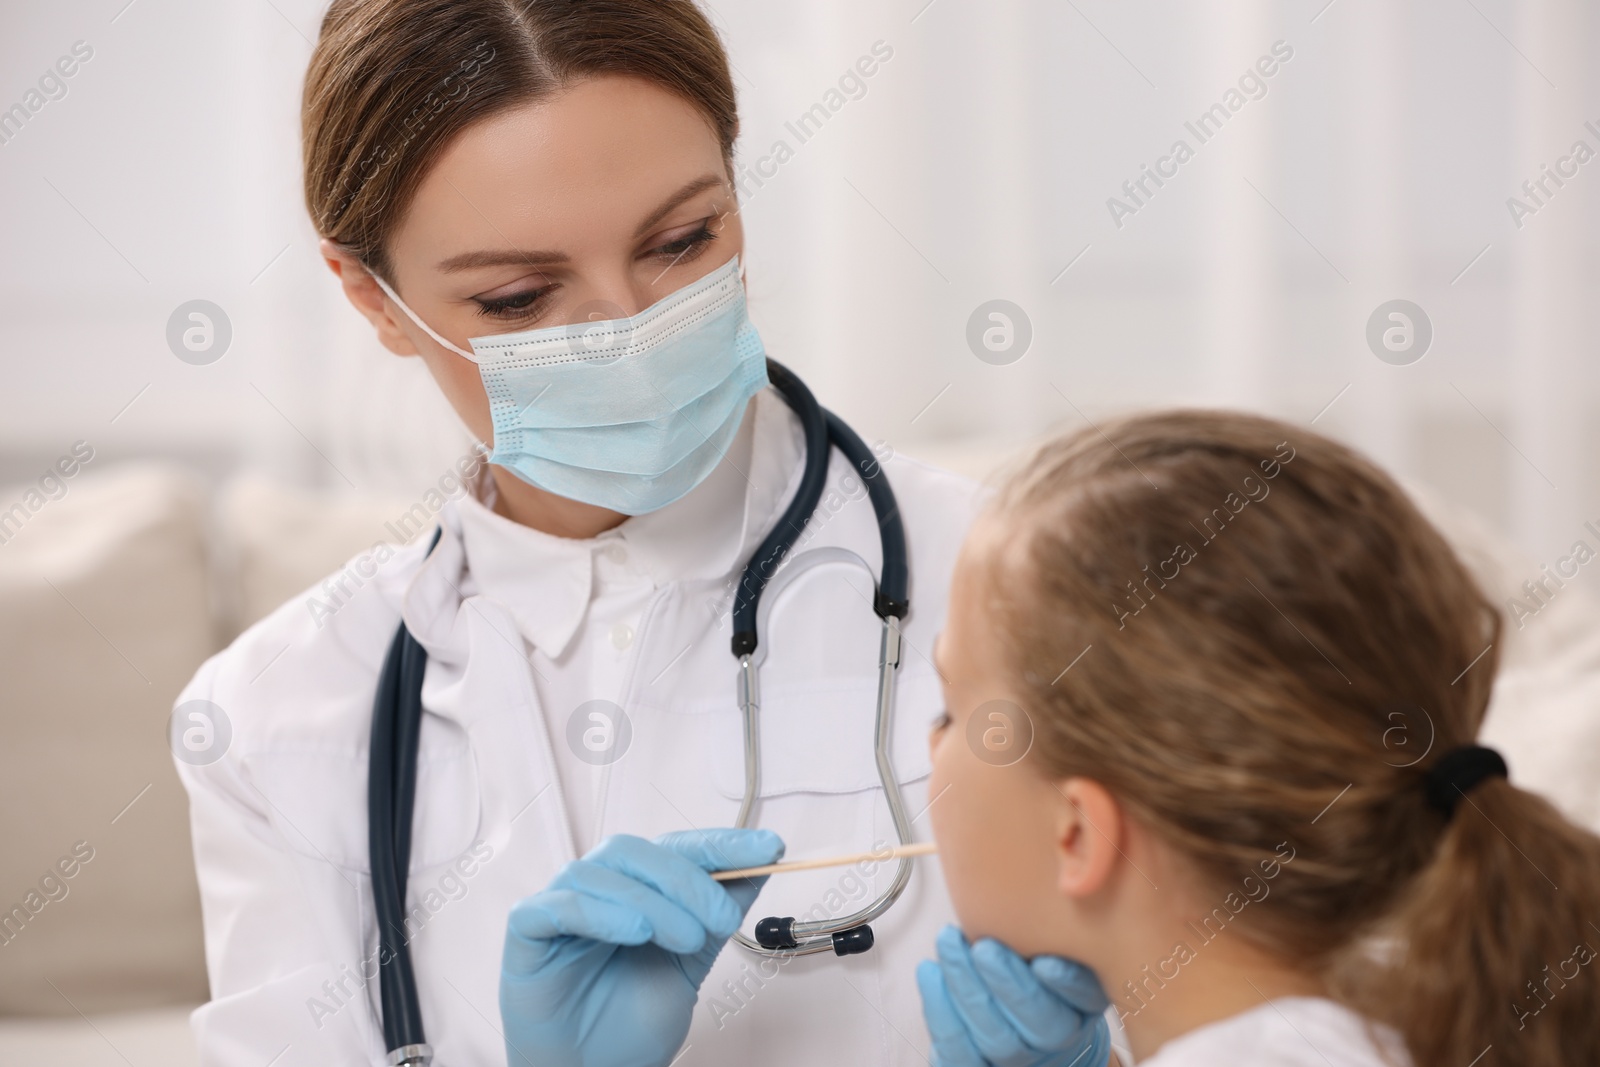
(487, 450)
(414, 317)
(403, 306)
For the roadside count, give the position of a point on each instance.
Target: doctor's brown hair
(1282, 647)
(392, 82)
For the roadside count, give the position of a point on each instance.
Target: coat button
(621, 636)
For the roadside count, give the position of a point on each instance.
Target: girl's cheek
(941, 787)
(953, 802)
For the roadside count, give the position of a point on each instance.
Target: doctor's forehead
(600, 155)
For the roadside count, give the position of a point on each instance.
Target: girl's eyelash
(526, 304)
(942, 721)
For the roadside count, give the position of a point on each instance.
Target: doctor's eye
(688, 247)
(516, 306)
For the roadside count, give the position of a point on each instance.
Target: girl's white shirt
(1286, 1032)
(521, 631)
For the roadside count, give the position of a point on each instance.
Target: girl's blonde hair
(1280, 647)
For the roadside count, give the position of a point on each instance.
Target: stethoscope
(397, 722)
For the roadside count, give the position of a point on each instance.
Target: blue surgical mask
(626, 414)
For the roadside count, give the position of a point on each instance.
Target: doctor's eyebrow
(501, 257)
(705, 181)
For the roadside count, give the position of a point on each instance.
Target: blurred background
(1343, 162)
(975, 164)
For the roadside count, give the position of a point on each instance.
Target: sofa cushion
(277, 540)
(158, 1037)
(106, 617)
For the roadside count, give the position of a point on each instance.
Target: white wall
(977, 165)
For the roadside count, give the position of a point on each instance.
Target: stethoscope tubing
(890, 603)
(397, 717)
(763, 563)
(391, 789)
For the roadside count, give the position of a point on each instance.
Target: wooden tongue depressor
(920, 848)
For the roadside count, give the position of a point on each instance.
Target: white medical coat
(280, 827)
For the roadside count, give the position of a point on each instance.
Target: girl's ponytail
(1496, 941)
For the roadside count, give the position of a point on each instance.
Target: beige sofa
(114, 593)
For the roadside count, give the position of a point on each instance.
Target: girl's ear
(1091, 837)
(365, 295)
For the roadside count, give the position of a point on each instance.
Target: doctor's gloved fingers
(1042, 1019)
(744, 892)
(952, 1046)
(558, 928)
(678, 922)
(724, 849)
(990, 1027)
(669, 874)
(1072, 982)
(698, 964)
(601, 907)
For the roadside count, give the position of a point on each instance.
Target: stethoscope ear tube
(391, 796)
(849, 934)
(892, 597)
(770, 554)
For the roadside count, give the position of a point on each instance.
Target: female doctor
(485, 170)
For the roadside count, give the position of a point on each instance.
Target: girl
(1212, 686)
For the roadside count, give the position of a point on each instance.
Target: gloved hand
(985, 1005)
(602, 968)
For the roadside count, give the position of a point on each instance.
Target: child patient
(1212, 690)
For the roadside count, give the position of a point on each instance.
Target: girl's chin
(979, 923)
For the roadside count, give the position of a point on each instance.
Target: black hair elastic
(1457, 772)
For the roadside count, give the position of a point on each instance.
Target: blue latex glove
(985, 1005)
(602, 968)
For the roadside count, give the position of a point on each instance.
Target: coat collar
(546, 582)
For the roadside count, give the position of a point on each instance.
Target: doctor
(486, 168)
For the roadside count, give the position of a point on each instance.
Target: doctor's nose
(604, 309)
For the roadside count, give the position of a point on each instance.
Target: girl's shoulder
(1286, 1032)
